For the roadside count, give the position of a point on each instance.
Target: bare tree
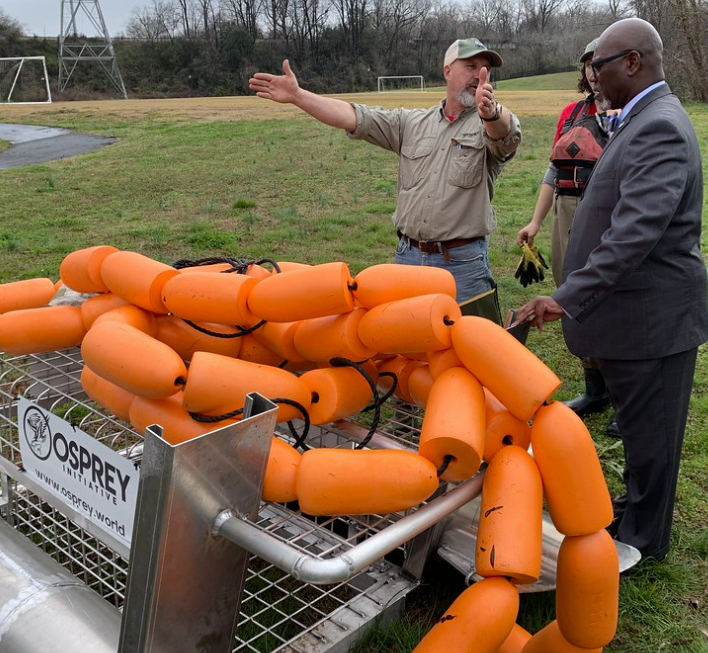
(158, 20)
(185, 17)
(245, 14)
(538, 14)
(692, 20)
(276, 13)
(396, 22)
(353, 16)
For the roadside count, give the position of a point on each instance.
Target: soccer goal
(401, 83)
(24, 80)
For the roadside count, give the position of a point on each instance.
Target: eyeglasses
(597, 64)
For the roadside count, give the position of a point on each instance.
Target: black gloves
(531, 265)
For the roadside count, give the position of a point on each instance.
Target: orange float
(587, 589)
(112, 397)
(254, 351)
(218, 385)
(280, 338)
(169, 412)
(420, 383)
(388, 282)
(551, 640)
(337, 392)
(513, 374)
(186, 339)
(518, 638)
(312, 291)
(400, 366)
(281, 473)
(480, 620)
(418, 324)
(29, 293)
(98, 305)
(133, 315)
(36, 330)
(81, 270)
(323, 338)
(258, 272)
(502, 428)
(509, 538)
(133, 360)
(576, 492)
(209, 297)
(137, 279)
(350, 482)
(453, 425)
(440, 361)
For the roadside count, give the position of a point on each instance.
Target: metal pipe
(44, 608)
(317, 571)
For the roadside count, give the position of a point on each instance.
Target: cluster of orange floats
(167, 345)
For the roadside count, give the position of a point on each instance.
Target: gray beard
(604, 104)
(466, 98)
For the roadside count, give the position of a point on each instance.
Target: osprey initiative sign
(80, 471)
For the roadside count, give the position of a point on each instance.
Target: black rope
(445, 464)
(239, 265)
(391, 390)
(275, 265)
(242, 331)
(376, 405)
(447, 321)
(299, 438)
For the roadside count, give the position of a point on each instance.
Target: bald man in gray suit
(634, 295)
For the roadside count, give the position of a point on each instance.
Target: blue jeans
(469, 264)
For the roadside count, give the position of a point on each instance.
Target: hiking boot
(595, 398)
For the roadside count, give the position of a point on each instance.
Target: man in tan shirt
(450, 156)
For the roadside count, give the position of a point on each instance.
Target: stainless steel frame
(314, 584)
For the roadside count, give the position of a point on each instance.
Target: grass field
(243, 177)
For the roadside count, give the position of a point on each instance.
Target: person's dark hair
(583, 83)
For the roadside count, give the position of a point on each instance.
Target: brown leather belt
(439, 246)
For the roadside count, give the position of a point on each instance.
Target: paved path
(33, 144)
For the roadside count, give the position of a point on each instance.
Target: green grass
(291, 189)
(551, 82)
(4, 145)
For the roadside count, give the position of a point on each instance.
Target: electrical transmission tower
(74, 48)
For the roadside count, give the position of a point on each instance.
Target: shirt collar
(628, 107)
(464, 112)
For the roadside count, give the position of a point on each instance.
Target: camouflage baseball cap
(589, 50)
(466, 48)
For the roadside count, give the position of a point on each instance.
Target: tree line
(178, 48)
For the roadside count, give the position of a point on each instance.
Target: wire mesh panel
(277, 610)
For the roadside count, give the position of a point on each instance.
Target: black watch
(496, 116)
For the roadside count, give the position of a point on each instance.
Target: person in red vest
(581, 134)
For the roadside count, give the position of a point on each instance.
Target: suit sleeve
(649, 178)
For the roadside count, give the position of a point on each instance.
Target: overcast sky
(43, 17)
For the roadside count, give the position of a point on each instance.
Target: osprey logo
(37, 433)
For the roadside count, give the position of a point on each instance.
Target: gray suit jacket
(634, 277)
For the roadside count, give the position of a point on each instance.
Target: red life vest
(578, 148)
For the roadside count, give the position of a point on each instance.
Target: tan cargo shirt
(447, 169)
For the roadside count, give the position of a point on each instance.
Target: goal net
(24, 80)
(401, 83)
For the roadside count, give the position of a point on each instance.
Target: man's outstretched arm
(286, 90)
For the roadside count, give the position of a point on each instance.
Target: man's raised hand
(484, 95)
(279, 88)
